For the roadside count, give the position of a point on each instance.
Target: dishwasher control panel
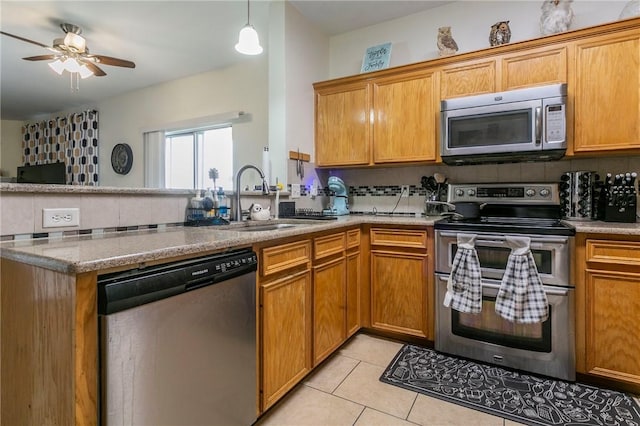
(123, 290)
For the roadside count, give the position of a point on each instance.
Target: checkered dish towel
(521, 297)
(464, 287)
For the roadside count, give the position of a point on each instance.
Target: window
(189, 155)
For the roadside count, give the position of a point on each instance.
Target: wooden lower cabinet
(329, 308)
(353, 293)
(285, 312)
(398, 293)
(608, 309)
(401, 286)
(613, 325)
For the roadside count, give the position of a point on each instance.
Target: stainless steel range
(520, 209)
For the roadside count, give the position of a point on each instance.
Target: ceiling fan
(74, 46)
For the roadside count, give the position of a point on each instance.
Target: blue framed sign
(376, 58)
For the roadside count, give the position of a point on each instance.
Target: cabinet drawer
(613, 252)
(399, 238)
(279, 258)
(353, 238)
(328, 245)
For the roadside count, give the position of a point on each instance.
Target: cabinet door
(342, 126)
(613, 325)
(533, 68)
(468, 78)
(406, 114)
(286, 334)
(606, 95)
(329, 308)
(399, 292)
(353, 293)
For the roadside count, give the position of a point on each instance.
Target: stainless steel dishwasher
(178, 343)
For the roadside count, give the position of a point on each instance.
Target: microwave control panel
(555, 123)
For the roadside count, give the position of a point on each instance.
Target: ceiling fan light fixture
(75, 42)
(71, 65)
(84, 71)
(57, 66)
(248, 42)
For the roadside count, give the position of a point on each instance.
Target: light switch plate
(295, 190)
(60, 218)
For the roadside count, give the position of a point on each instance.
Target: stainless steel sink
(266, 227)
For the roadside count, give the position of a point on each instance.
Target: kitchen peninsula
(49, 316)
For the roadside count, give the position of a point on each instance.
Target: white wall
(10, 147)
(241, 87)
(414, 36)
(307, 59)
(298, 57)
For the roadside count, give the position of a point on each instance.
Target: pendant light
(248, 42)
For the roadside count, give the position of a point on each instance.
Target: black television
(43, 173)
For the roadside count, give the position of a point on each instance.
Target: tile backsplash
(370, 189)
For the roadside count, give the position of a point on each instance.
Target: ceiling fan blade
(108, 60)
(97, 71)
(25, 40)
(40, 58)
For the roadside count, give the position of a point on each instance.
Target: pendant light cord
(248, 12)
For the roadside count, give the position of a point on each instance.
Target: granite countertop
(600, 227)
(96, 252)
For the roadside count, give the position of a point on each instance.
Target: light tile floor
(346, 390)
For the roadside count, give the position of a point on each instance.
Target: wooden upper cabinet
(606, 77)
(405, 118)
(342, 125)
(510, 71)
(468, 78)
(533, 68)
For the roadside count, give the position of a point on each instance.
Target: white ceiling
(166, 39)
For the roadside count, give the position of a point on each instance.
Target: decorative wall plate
(121, 158)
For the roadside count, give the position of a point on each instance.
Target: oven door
(551, 254)
(546, 348)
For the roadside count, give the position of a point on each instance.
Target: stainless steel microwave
(517, 125)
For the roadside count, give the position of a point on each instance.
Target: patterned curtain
(72, 139)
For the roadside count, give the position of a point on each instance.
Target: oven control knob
(459, 192)
(530, 192)
(471, 192)
(544, 192)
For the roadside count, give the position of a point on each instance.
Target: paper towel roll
(266, 164)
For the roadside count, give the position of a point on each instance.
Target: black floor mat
(529, 399)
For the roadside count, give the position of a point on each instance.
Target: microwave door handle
(538, 125)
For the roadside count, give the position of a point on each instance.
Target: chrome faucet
(265, 189)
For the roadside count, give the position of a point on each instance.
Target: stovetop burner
(519, 208)
(521, 225)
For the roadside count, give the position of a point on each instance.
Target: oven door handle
(500, 239)
(552, 291)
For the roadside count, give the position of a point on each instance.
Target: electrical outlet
(405, 191)
(60, 218)
(295, 190)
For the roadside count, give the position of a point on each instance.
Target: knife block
(627, 215)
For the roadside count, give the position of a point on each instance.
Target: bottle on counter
(196, 200)
(208, 203)
(223, 208)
